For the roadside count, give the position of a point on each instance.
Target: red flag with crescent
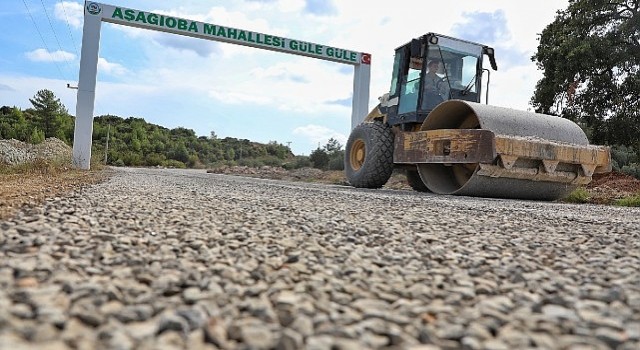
(365, 58)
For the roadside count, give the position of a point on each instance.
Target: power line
(54, 33)
(66, 18)
(42, 38)
(97, 104)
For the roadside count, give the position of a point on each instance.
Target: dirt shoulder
(31, 173)
(31, 187)
(606, 188)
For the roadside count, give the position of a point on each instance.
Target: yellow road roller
(432, 125)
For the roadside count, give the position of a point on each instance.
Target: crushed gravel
(184, 259)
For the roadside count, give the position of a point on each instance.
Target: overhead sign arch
(96, 13)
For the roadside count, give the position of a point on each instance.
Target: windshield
(460, 63)
(435, 74)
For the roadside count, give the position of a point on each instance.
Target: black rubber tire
(414, 180)
(377, 167)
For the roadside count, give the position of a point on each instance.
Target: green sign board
(227, 34)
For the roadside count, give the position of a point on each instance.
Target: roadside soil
(18, 190)
(606, 188)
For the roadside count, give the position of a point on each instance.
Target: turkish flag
(365, 58)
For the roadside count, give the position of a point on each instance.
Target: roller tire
(368, 160)
(414, 180)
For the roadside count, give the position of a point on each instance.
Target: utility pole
(106, 147)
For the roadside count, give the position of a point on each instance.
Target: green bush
(172, 163)
(273, 161)
(622, 156)
(336, 163)
(319, 158)
(297, 163)
(154, 159)
(632, 169)
(633, 201)
(132, 159)
(194, 162)
(118, 162)
(579, 195)
(37, 136)
(250, 162)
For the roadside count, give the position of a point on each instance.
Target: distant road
(182, 258)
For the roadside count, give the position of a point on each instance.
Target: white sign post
(95, 13)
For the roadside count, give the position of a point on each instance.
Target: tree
(13, 124)
(333, 146)
(49, 112)
(36, 137)
(275, 149)
(319, 158)
(590, 56)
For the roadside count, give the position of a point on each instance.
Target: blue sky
(249, 93)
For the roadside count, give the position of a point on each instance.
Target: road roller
(432, 125)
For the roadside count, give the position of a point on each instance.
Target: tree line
(135, 142)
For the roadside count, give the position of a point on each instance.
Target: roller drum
(463, 179)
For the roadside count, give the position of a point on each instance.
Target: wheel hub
(357, 154)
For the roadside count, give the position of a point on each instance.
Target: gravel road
(185, 259)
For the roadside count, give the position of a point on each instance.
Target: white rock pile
(14, 152)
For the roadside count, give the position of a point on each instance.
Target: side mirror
(492, 58)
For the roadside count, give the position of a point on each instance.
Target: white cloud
(6, 87)
(301, 85)
(71, 12)
(107, 67)
(289, 6)
(42, 55)
(238, 97)
(320, 134)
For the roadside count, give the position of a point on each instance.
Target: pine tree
(49, 112)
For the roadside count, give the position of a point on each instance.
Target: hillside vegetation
(135, 142)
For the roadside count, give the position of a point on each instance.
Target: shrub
(579, 195)
(273, 161)
(172, 163)
(633, 201)
(132, 159)
(622, 156)
(297, 163)
(194, 162)
(250, 162)
(37, 136)
(632, 169)
(153, 159)
(336, 163)
(319, 158)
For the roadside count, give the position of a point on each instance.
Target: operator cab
(430, 70)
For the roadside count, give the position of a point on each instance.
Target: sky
(249, 93)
